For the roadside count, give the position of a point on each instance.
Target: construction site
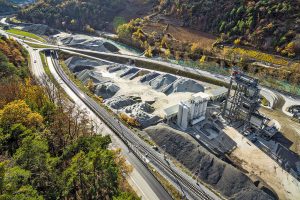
(224, 123)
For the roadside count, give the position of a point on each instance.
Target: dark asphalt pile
(91, 43)
(77, 64)
(184, 85)
(223, 177)
(40, 29)
(106, 90)
(162, 81)
(120, 102)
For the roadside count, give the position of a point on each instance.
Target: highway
(138, 146)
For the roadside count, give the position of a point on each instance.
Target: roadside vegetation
(48, 148)
(25, 34)
(13, 59)
(176, 195)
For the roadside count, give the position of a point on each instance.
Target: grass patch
(281, 86)
(25, 34)
(257, 55)
(264, 101)
(51, 77)
(47, 70)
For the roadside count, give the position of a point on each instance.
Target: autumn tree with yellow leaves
(48, 146)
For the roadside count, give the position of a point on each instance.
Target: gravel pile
(184, 85)
(115, 68)
(134, 107)
(141, 111)
(76, 63)
(87, 42)
(106, 90)
(40, 29)
(140, 74)
(162, 81)
(120, 102)
(148, 77)
(129, 72)
(86, 75)
(143, 106)
(223, 177)
(145, 119)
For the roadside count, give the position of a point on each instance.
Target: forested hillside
(47, 150)
(7, 7)
(13, 59)
(22, 1)
(85, 15)
(272, 25)
(253, 34)
(266, 25)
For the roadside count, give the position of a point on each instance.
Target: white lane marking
(138, 187)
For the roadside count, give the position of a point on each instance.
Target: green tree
(93, 172)
(6, 68)
(92, 176)
(118, 21)
(33, 155)
(11, 139)
(125, 196)
(14, 183)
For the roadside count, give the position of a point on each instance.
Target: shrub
(129, 120)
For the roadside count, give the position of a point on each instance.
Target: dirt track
(256, 162)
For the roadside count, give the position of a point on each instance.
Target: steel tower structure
(243, 98)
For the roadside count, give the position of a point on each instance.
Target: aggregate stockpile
(40, 29)
(223, 177)
(169, 84)
(134, 107)
(119, 85)
(77, 64)
(87, 42)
